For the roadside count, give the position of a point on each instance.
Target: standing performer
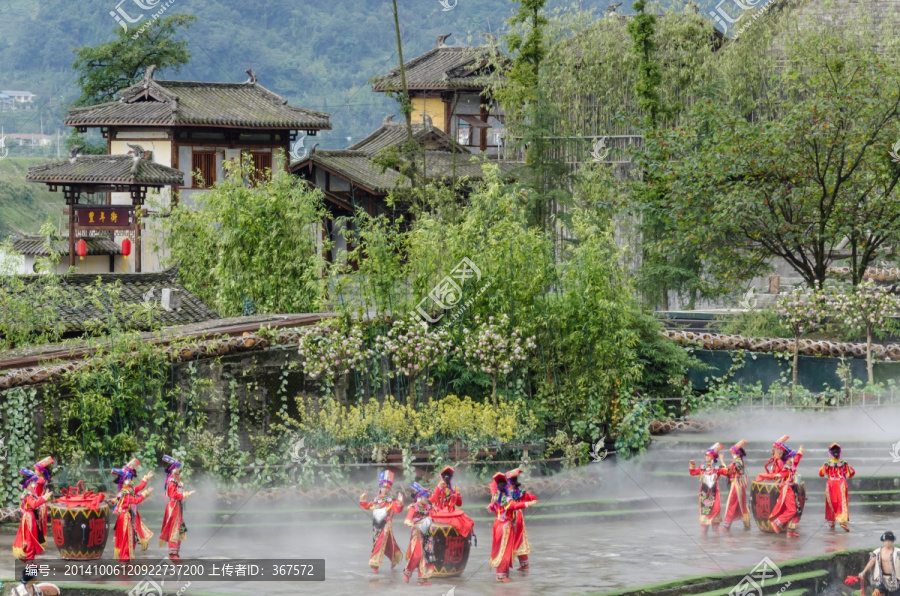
(174, 530)
(30, 540)
(421, 539)
(445, 497)
(504, 508)
(736, 506)
(886, 561)
(383, 508)
(521, 548)
(42, 471)
(129, 528)
(787, 509)
(837, 496)
(710, 506)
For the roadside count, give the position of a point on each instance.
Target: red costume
(174, 530)
(420, 553)
(837, 496)
(736, 507)
(521, 548)
(445, 500)
(383, 508)
(504, 508)
(710, 505)
(29, 541)
(788, 509)
(42, 471)
(129, 528)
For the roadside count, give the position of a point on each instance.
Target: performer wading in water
(129, 528)
(886, 563)
(837, 496)
(420, 553)
(787, 509)
(174, 530)
(710, 505)
(521, 548)
(383, 508)
(29, 542)
(736, 507)
(504, 509)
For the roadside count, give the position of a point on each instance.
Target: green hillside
(25, 206)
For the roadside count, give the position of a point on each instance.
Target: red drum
(453, 537)
(763, 497)
(79, 520)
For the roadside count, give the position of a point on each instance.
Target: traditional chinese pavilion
(450, 85)
(197, 126)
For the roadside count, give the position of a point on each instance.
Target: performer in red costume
(837, 497)
(174, 530)
(42, 471)
(787, 510)
(30, 541)
(383, 508)
(420, 553)
(736, 506)
(129, 528)
(710, 505)
(445, 497)
(521, 548)
(504, 508)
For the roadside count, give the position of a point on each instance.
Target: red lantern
(81, 249)
(126, 247)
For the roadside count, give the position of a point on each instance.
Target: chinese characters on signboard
(104, 216)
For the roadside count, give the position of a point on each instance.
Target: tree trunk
(412, 392)
(796, 361)
(494, 393)
(869, 353)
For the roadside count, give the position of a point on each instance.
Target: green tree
(105, 70)
(251, 244)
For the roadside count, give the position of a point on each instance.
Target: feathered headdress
(172, 465)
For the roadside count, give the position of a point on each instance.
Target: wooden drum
(763, 497)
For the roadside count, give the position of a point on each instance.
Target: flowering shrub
(413, 351)
(802, 310)
(328, 353)
(865, 308)
(390, 424)
(491, 349)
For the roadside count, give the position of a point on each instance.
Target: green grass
(24, 206)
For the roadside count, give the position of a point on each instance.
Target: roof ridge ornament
(148, 75)
(427, 123)
(74, 151)
(442, 41)
(389, 119)
(252, 80)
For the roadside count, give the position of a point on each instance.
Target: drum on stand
(80, 523)
(763, 497)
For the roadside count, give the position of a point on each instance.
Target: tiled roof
(442, 68)
(173, 103)
(36, 246)
(395, 133)
(106, 169)
(135, 288)
(360, 169)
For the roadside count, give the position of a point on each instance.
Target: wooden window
(205, 163)
(262, 165)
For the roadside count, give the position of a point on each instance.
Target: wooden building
(197, 126)
(450, 84)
